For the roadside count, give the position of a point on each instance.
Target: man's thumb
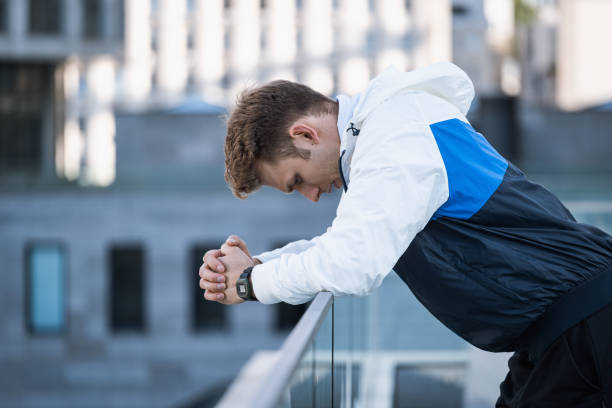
(234, 240)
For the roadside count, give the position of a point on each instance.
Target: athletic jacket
(489, 253)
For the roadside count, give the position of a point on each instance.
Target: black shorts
(575, 371)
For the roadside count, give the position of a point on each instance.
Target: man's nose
(310, 192)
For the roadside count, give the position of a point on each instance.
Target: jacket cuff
(266, 256)
(262, 278)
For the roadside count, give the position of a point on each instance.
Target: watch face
(242, 290)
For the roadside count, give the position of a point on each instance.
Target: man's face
(310, 177)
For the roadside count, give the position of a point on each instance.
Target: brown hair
(258, 129)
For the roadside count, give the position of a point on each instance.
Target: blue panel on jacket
(474, 168)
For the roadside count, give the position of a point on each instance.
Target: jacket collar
(444, 80)
(348, 133)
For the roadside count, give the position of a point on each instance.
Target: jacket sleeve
(398, 181)
(291, 248)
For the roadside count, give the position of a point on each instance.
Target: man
(496, 258)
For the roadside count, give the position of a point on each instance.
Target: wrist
(244, 287)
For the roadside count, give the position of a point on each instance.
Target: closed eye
(297, 180)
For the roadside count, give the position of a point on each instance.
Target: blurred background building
(111, 171)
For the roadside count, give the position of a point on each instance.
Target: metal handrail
(266, 376)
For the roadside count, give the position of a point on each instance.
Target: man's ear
(303, 134)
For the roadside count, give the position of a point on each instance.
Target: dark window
(287, 315)
(460, 10)
(205, 315)
(225, 81)
(45, 16)
(414, 387)
(3, 17)
(119, 30)
(45, 288)
(92, 19)
(24, 92)
(127, 288)
(226, 40)
(190, 40)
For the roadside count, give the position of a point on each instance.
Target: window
(45, 288)
(460, 10)
(418, 386)
(127, 288)
(92, 19)
(287, 315)
(3, 17)
(45, 17)
(205, 315)
(24, 92)
(119, 21)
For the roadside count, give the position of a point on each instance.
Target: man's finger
(207, 274)
(215, 297)
(212, 286)
(235, 240)
(212, 252)
(210, 259)
(228, 249)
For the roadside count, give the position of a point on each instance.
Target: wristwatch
(243, 285)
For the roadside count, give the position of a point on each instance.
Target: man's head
(283, 135)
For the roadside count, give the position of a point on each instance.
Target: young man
(498, 259)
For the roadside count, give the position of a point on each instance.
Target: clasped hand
(221, 268)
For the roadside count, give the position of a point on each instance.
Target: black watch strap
(243, 285)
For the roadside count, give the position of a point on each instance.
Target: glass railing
(382, 350)
(596, 212)
(300, 374)
(351, 352)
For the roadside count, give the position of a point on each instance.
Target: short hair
(258, 129)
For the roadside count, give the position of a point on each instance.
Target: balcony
(334, 358)
(384, 350)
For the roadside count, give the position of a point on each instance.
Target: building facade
(100, 286)
(137, 55)
(111, 181)
(565, 65)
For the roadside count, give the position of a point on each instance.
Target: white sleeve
(291, 248)
(398, 181)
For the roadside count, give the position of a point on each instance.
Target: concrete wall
(168, 197)
(90, 366)
(167, 149)
(544, 140)
(561, 141)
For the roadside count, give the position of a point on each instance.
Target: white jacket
(397, 181)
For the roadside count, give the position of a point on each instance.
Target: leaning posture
(496, 258)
